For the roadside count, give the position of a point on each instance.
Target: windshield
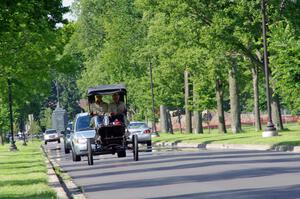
(137, 126)
(83, 123)
(70, 125)
(50, 131)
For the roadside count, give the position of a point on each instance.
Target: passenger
(117, 106)
(99, 107)
(117, 109)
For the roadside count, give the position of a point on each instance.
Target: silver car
(143, 132)
(82, 131)
(51, 135)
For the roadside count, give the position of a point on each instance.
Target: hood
(86, 134)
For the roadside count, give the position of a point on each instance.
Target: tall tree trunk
(234, 99)
(198, 127)
(1, 138)
(179, 119)
(163, 119)
(276, 112)
(198, 122)
(256, 98)
(219, 97)
(188, 116)
(275, 107)
(169, 122)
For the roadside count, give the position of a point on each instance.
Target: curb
(54, 182)
(266, 147)
(67, 186)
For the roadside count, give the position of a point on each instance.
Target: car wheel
(58, 140)
(149, 146)
(67, 150)
(75, 157)
(45, 142)
(122, 154)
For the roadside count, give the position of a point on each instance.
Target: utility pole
(152, 98)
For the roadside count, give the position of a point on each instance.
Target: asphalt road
(173, 174)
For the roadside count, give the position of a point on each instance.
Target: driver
(99, 107)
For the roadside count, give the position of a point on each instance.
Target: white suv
(51, 135)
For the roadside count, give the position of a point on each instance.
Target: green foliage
(115, 41)
(29, 44)
(46, 118)
(34, 127)
(285, 61)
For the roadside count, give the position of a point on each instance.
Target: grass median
(23, 174)
(290, 136)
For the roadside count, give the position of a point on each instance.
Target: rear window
(137, 126)
(83, 123)
(50, 132)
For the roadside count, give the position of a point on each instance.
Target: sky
(68, 15)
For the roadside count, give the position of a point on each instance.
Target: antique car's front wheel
(135, 148)
(90, 152)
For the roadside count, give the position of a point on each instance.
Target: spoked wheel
(90, 152)
(135, 148)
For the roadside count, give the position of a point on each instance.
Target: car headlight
(81, 141)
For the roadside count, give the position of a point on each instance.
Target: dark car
(67, 137)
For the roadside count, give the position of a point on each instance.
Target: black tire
(135, 148)
(122, 154)
(45, 142)
(76, 158)
(149, 146)
(67, 150)
(90, 152)
(58, 140)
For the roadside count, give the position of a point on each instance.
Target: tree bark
(188, 118)
(169, 122)
(256, 98)
(276, 112)
(198, 122)
(1, 139)
(163, 119)
(198, 127)
(219, 97)
(234, 99)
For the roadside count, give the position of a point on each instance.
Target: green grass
(291, 136)
(23, 174)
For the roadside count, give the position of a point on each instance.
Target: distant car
(82, 131)
(67, 137)
(143, 132)
(51, 135)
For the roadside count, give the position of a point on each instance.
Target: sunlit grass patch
(290, 136)
(23, 174)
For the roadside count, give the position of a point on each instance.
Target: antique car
(110, 135)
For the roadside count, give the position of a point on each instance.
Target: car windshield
(137, 126)
(70, 126)
(83, 123)
(50, 131)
